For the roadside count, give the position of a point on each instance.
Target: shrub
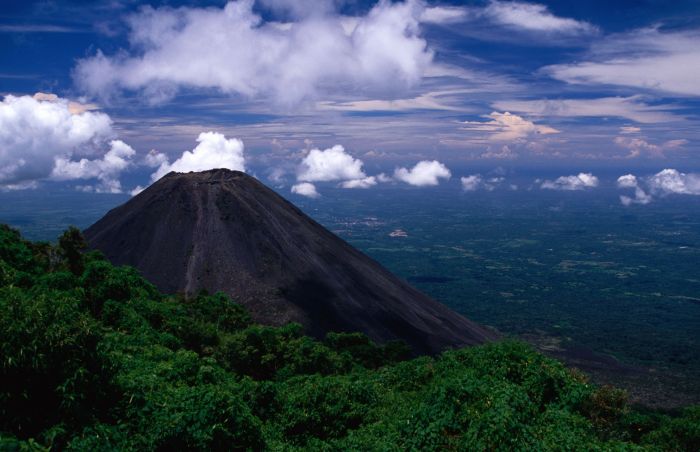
(324, 406)
(50, 367)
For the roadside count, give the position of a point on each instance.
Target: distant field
(571, 269)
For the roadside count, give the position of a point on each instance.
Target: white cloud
(492, 182)
(305, 189)
(424, 173)
(106, 169)
(444, 14)
(508, 127)
(651, 59)
(427, 101)
(367, 182)
(213, 151)
(640, 197)
(471, 183)
(276, 175)
(41, 135)
(26, 185)
(476, 182)
(639, 146)
(580, 181)
(504, 153)
(233, 50)
(331, 164)
(515, 16)
(671, 181)
(627, 181)
(381, 177)
(534, 17)
(334, 164)
(631, 107)
(629, 129)
(154, 159)
(136, 190)
(664, 183)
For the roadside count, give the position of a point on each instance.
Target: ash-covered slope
(223, 230)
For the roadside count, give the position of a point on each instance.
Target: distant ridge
(222, 230)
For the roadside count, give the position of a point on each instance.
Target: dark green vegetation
(94, 358)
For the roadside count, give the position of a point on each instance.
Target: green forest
(95, 358)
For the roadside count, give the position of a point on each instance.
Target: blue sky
(132, 89)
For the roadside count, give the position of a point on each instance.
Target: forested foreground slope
(94, 358)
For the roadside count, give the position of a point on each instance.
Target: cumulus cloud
(136, 190)
(508, 127)
(305, 189)
(471, 183)
(335, 164)
(666, 182)
(331, 164)
(640, 196)
(477, 182)
(627, 181)
(424, 173)
(672, 181)
(381, 177)
(106, 169)
(233, 50)
(367, 182)
(46, 137)
(154, 159)
(504, 153)
(639, 146)
(276, 175)
(580, 181)
(650, 59)
(213, 151)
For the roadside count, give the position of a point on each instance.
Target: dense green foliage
(94, 358)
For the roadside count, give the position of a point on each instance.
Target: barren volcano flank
(223, 230)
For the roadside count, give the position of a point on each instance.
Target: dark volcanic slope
(224, 230)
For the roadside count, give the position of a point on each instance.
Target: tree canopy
(93, 357)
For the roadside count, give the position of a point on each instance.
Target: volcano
(223, 230)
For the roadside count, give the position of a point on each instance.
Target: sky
(110, 95)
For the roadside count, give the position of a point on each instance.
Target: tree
(71, 246)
